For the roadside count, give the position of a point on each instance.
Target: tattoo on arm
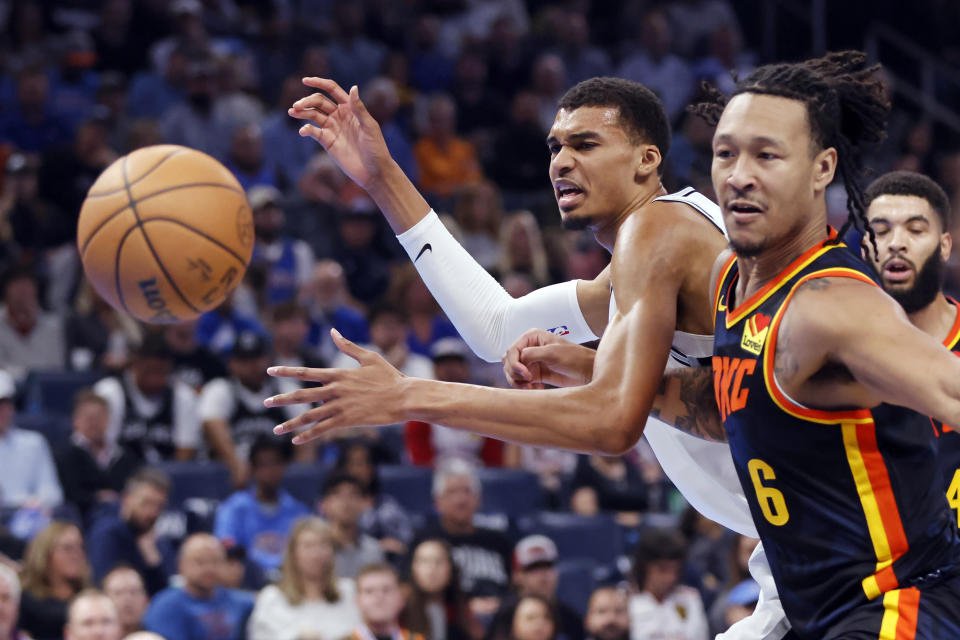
(686, 400)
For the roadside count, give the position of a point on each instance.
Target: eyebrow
(762, 140)
(574, 137)
(915, 218)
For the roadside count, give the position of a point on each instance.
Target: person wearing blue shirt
(259, 517)
(201, 609)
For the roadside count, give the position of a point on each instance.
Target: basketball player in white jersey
(606, 148)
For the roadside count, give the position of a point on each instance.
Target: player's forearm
(686, 401)
(587, 419)
(397, 197)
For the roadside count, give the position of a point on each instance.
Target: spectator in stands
(246, 158)
(482, 555)
(342, 501)
(381, 99)
(610, 484)
(520, 138)
(193, 122)
(290, 326)
(548, 81)
(29, 337)
(286, 262)
(480, 108)
(535, 573)
(655, 611)
(153, 93)
(431, 69)
(28, 476)
(365, 262)
(327, 301)
(708, 558)
(740, 602)
(532, 618)
(33, 124)
(259, 517)
(92, 616)
(201, 609)
(380, 602)
(426, 444)
(9, 604)
(522, 248)
(98, 336)
(354, 58)
(654, 65)
(32, 224)
(73, 82)
(478, 211)
(125, 587)
(232, 408)
(436, 607)
(92, 469)
(694, 21)
(54, 571)
(309, 601)
(581, 59)
(608, 615)
(388, 337)
(739, 571)
(130, 538)
(217, 330)
(426, 322)
(447, 162)
(193, 364)
(283, 148)
(239, 572)
(383, 518)
(152, 414)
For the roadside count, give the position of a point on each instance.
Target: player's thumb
(353, 350)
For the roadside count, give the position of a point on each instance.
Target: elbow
(617, 434)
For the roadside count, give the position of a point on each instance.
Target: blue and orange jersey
(848, 503)
(948, 437)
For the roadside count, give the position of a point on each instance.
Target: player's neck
(606, 232)
(935, 319)
(758, 270)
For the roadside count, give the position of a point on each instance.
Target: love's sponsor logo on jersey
(755, 333)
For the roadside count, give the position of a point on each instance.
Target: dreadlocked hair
(847, 108)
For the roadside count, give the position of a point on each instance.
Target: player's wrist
(397, 197)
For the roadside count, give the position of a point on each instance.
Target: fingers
(317, 133)
(319, 417)
(303, 396)
(535, 355)
(316, 102)
(358, 353)
(359, 109)
(307, 374)
(325, 84)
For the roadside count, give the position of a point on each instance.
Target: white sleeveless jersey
(703, 471)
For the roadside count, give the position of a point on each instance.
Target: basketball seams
(131, 204)
(101, 194)
(200, 233)
(146, 238)
(116, 268)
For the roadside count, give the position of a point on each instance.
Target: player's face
(592, 165)
(911, 248)
(768, 182)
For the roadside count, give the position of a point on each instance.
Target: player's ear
(824, 168)
(648, 161)
(946, 245)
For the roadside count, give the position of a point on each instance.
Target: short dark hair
(289, 310)
(910, 183)
(385, 308)
(658, 543)
(266, 442)
(151, 476)
(642, 115)
(153, 346)
(338, 478)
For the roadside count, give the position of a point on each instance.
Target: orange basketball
(165, 233)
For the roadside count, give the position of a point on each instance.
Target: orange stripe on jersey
(718, 294)
(879, 505)
(953, 336)
(769, 357)
(900, 609)
(736, 315)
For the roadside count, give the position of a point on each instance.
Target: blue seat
(578, 537)
(303, 481)
(51, 392)
(514, 492)
(55, 428)
(196, 479)
(576, 580)
(410, 486)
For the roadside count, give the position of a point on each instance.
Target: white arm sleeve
(488, 318)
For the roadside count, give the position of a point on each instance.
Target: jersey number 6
(771, 500)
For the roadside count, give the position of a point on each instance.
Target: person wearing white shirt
(27, 472)
(388, 337)
(664, 609)
(152, 414)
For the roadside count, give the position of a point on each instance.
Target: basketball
(165, 233)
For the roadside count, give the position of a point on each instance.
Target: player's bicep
(594, 299)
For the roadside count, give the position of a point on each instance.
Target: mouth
(897, 270)
(744, 211)
(569, 194)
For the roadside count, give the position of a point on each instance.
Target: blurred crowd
(98, 538)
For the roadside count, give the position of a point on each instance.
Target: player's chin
(575, 220)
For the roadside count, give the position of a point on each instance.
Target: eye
(554, 149)
(723, 153)
(916, 230)
(766, 155)
(586, 145)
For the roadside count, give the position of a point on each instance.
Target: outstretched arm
(486, 316)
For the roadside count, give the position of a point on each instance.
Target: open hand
(371, 395)
(539, 358)
(341, 123)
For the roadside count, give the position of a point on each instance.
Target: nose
(742, 177)
(562, 162)
(897, 240)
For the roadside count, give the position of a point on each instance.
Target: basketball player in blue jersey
(606, 148)
(910, 217)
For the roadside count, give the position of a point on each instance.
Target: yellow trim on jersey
(891, 615)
